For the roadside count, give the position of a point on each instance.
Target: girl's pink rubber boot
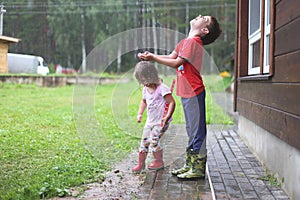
(141, 163)
(158, 162)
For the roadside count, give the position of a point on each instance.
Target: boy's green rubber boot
(197, 169)
(186, 166)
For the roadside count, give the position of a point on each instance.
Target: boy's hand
(146, 56)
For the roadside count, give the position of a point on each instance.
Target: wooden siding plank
(236, 58)
(243, 39)
(284, 97)
(287, 68)
(287, 38)
(282, 125)
(286, 11)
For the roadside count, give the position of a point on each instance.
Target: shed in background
(4, 42)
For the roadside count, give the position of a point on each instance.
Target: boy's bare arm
(174, 63)
(171, 60)
(172, 55)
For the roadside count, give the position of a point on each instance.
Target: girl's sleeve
(165, 90)
(144, 93)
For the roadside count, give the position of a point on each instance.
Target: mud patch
(119, 184)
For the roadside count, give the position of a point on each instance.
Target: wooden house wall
(274, 104)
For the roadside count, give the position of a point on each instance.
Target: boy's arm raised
(171, 60)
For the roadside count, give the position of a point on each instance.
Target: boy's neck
(193, 34)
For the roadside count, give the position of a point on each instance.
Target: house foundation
(280, 158)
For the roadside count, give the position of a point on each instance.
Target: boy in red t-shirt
(187, 60)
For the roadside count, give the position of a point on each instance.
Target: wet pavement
(233, 172)
(162, 184)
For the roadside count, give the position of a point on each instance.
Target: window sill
(255, 77)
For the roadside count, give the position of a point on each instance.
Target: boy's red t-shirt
(189, 80)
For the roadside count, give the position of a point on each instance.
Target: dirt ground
(119, 184)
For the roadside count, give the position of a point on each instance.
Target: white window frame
(253, 69)
(254, 37)
(266, 67)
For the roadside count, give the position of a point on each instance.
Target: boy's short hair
(146, 73)
(214, 32)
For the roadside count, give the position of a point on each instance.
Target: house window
(259, 30)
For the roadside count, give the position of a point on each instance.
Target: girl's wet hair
(146, 73)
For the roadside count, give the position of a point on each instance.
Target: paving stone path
(233, 171)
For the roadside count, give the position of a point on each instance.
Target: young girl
(187, 60)
(155, 96)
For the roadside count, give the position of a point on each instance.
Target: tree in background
(65, 31)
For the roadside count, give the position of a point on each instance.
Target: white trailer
(28, 64)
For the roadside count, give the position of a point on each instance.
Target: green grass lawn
(41, 152)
